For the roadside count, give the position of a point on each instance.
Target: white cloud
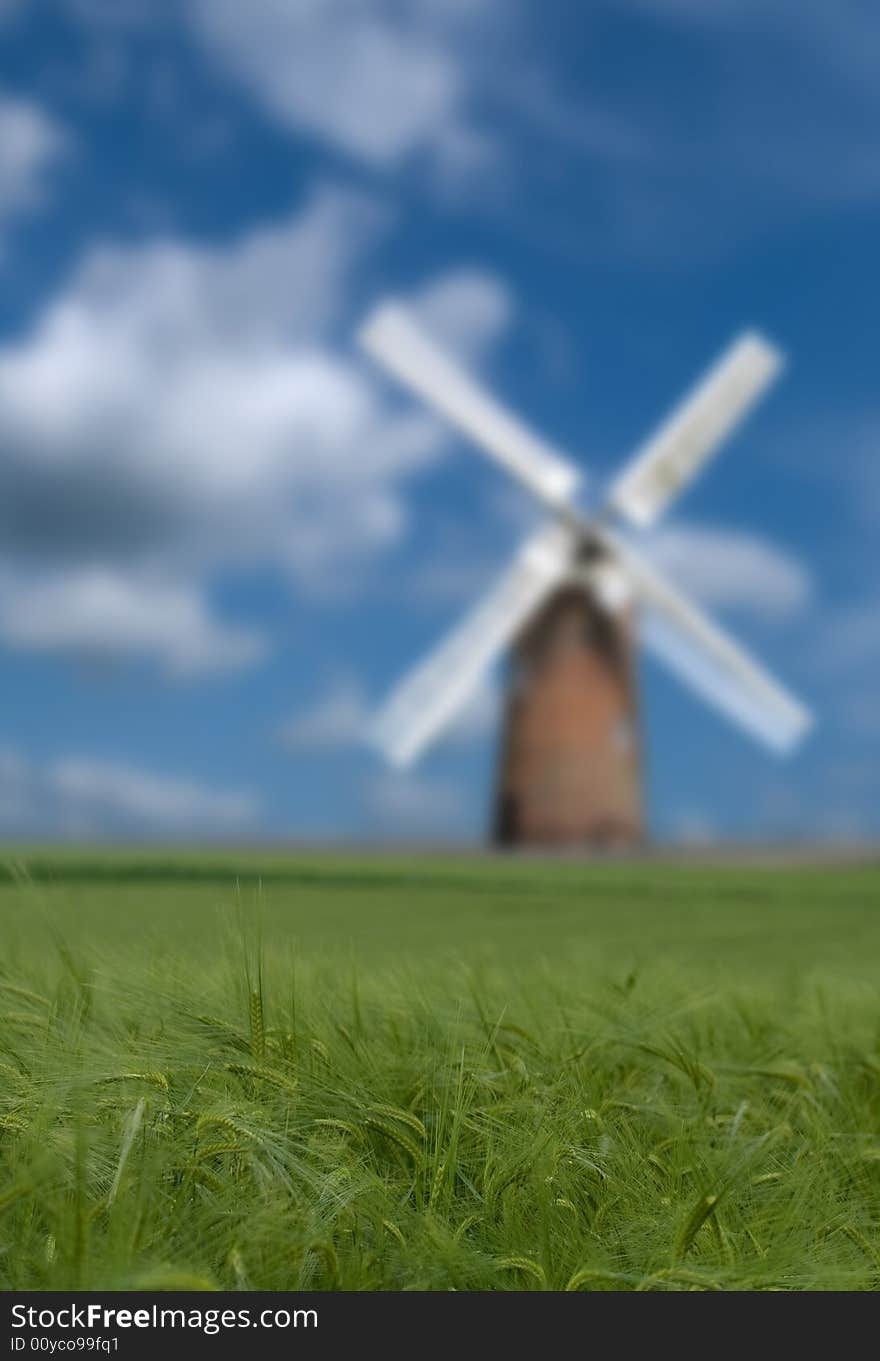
(407, 805)
(467, 310)
(476, 90)
(672, 180)
(731, 570)
(148, 800)
(815, 141)
(379, 79)
(102, 613)
(338, 719)
(31, 143)
(342, 716)
(82, 795)
(177, 409)
(459, 577)
(844, 658)
(693, 828)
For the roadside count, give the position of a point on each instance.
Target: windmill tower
(569, 768)
(572, 605)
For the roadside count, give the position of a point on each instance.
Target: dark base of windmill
(508, 834)
(569, 773)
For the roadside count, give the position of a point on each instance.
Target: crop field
(273, 1073)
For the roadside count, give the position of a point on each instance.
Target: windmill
(572, 603)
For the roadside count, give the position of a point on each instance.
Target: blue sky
(222, 535)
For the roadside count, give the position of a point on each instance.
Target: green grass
(270, 1073)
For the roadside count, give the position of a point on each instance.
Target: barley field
(259, 1072)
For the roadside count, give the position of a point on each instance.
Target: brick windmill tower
(572, 605)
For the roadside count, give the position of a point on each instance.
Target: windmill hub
(570, 606)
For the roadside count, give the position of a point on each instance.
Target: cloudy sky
(222, 535)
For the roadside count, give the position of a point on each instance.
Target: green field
(287, 1073)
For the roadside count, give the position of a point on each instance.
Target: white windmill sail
(393, 337)
(687, 641)
(429, 697)
(695, 430)
(710, 662)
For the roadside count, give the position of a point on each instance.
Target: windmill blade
(430, 696)
(695, 430)
(393, 338)
(710, 662)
